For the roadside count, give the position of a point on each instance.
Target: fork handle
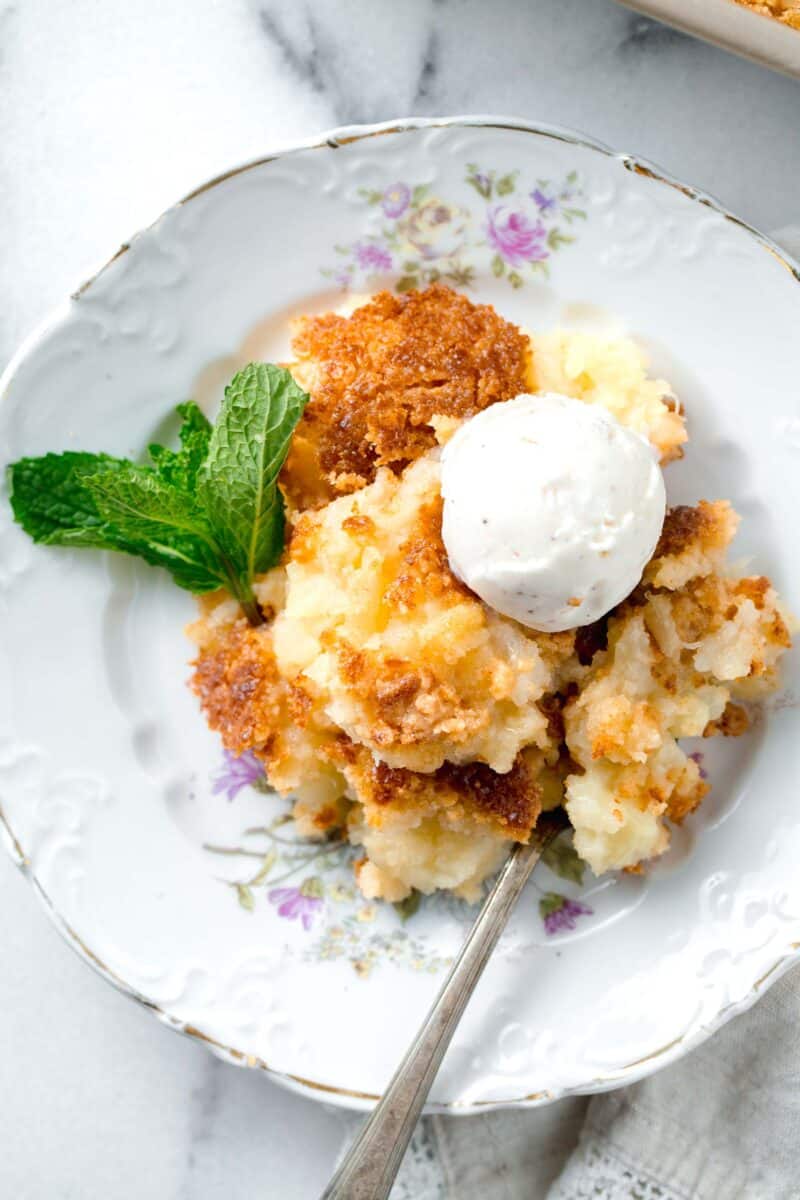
(370, 1166)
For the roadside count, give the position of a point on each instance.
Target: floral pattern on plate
(310, 883)
(513, 231)
(90, 787)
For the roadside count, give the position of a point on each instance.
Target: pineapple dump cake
(385, 697)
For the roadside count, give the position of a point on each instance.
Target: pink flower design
(238, 772)
(298, 903)
(697, 757)
(516, 238)
(372, 256)
(396, 200)
(559, 913)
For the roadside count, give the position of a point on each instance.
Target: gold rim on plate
(629, 1072)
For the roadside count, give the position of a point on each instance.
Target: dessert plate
(165, 864)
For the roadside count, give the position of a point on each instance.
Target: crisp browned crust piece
(733, 722)
(683, 801)
(237, 682)
(687, 526)
(509, 803)
(377, 378)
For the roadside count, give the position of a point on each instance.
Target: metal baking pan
(732, 26)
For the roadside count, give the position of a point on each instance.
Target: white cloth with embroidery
(721, 1124)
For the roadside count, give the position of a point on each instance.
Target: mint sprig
(238, 482)
(210, 513)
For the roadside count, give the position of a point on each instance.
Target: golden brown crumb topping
(424, 568)
(378, 377)
(684, 526)
(511, 802)
(733, 722)
(387, 699)
(239, 687)
(405, 684)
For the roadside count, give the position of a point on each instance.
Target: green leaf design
(506, 183)
(555, 239)
(270, 858)
(371, 195)
(461, 276)
(245, 897)
(407, 283)
(573, 214)
(313, 887)
(515, 279)
(551, 902)
(498, 266)
(572, 177)
(481, 182)
(419, 193)
(239, 480)
(406, 908)
(562, 858)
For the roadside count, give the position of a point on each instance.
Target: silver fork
(372, 1162)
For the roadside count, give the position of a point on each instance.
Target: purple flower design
(372, 256)
(543, 203)
(515, 237)
(298, 903)
(697, 757)
(237, 772)
(396, 200)
(559, 913)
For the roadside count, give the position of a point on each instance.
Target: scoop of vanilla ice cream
(551, 509)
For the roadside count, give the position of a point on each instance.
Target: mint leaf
(238, 483)
(93, 500)
(146, 516)
(181, 467)
(210, 513)
(51, 503)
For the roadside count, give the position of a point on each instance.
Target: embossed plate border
(693, 1034)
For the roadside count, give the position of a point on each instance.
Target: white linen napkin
(721, 1124)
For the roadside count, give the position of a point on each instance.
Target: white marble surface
(110, 111)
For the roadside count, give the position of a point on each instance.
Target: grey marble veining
(109, 113)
